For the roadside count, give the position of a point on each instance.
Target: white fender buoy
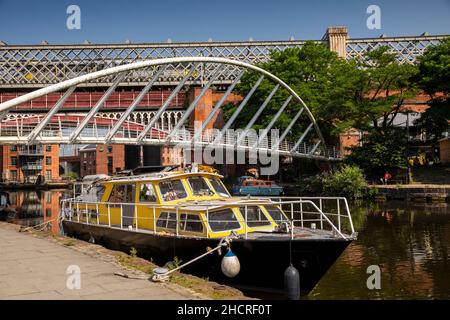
(230, 265)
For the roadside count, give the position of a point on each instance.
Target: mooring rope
(44, 224)
(224, 242)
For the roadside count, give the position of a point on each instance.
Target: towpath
(32, 267)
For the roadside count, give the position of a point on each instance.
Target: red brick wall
(118, 158)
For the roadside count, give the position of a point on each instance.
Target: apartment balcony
(32, 166)
(31, 151)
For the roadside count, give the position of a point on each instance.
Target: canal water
(409, 242)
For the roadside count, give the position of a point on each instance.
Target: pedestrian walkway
(36, 268)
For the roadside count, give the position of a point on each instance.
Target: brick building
(27, 164)
(101, 159)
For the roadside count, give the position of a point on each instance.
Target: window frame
(205, 181)
(211, 180)
(224, 230)
(171, 180)
(141, 184)
(268, 224)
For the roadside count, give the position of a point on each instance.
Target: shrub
(347, 181)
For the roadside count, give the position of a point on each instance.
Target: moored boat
(183, 214)
(248, 185)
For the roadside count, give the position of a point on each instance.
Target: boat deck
(299, 234)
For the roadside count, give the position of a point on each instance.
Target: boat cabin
(190, 204)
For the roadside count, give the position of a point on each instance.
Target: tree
(325, 83)
(387, 149)
(384, 87)
(434, 79)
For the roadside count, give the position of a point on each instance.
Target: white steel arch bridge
(94, 128)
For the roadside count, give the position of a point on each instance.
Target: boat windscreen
(147, 193)
(199, 186)
(223, 220)
(276, 214)
(172, 190)
(219, 187)
(255, 216)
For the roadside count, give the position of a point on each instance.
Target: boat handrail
(300, 208)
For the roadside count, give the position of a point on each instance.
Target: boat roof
(156, 176)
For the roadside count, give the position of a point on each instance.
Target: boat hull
(263, 262)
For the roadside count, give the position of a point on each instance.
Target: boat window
(167, 220)
(191, 223)
(223, 220)
(276, 214)
(219, 187)
(172, 190)
(147, 193)
(255, 216)
(199, 186)
(100, 190)
(121, 193)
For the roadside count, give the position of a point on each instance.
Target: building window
(85, 155)
(48, 212)
(110, 165)
(13, 148)
(48, 197)
(110, 149)
(14, 161)
(84, 165)
(48, 148)
(13, 175)
(48, 160)
(48, 175)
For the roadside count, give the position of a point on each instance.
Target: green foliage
(384, 86)
(324, 82)
(175, 263)
(434, 69)
(434, 121)
(434, 79)
(133, 252)
(347, 181)
(71, 176)
(386, 149)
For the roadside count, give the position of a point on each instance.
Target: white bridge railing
(312, 213)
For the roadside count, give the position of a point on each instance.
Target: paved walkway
(35, 268)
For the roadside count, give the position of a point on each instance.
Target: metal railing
(301, 214)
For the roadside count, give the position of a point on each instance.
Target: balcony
(32, 166)
(31, 151)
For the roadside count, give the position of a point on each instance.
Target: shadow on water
(408, 241)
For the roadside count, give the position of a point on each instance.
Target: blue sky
(30, 22)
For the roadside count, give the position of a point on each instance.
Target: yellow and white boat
(184, 213)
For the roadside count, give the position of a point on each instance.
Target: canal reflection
(31, 208)
(410, 242)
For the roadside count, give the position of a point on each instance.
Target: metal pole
(109, 215)
(239, 108)
(217, 107)
(135, 103)
(194, 103)
(161, 110)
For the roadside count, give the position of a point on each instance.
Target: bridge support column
(337, 40)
